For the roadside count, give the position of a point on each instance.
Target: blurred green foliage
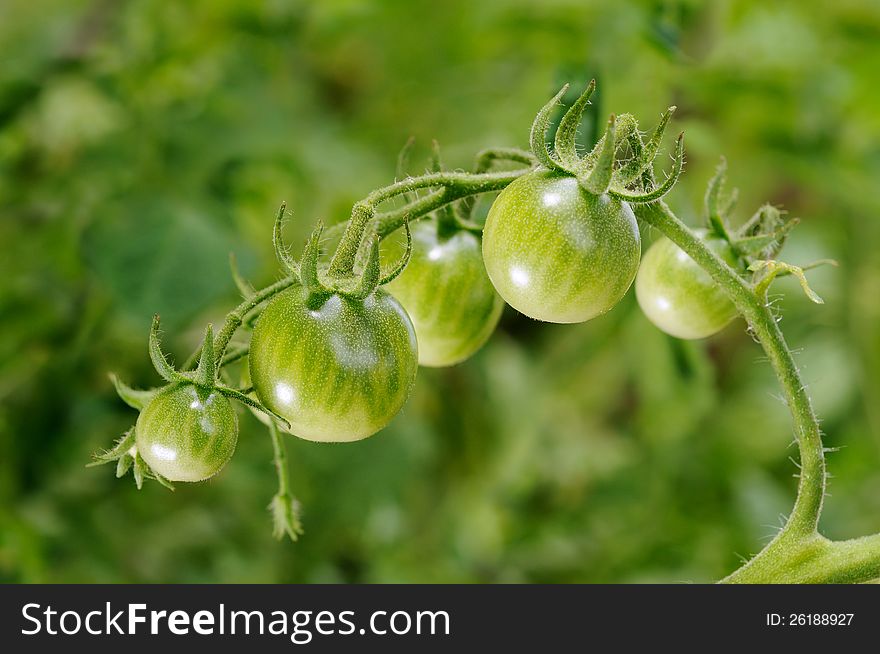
(141, 141)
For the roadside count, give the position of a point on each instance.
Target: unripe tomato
(186, 433)
(678, 296)
(337, 370)
(558, 253)
(447, 293)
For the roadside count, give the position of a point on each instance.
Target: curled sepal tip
(281, 251)
(658, 191)
(768, 270)
(308, 265)
(402, 262)
(133, 397)
(538, 135)
(207, 369)
(644, 157)
(160, 362)
(286, 520)
(565, 143)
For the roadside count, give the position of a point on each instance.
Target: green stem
(453, 187)
(459, 183)
(280, 458)
(798, 552)
(235, 317)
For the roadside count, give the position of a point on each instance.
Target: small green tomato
(678, 296)
(186, 433)
(558, 253)
(337, 369)
(445, 290)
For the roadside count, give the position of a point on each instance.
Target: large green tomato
(445, 290)
(678, 296)
(186, 433)
(338, 369)
(558, 253)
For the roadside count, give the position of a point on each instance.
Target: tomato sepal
(127, 458)
(134, 397)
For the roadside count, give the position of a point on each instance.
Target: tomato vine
(618, 169)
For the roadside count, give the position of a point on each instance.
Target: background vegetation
(141, 141)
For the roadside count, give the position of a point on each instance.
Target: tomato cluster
(336, 345)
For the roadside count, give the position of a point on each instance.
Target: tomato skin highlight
(447, 294)
(186, 433)
(558, 253)
(339, 369)
(678, 296)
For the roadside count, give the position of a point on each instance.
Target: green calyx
(620, 164)
(354, 271)
(759, 240)
(205, 377)
(206, 374)
(127, 458)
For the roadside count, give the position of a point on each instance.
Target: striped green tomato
(445, 290)
(337, 369)
(558, 253)
(678, 296)
(186, 433)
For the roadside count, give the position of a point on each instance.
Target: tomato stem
(798, 552)
(235, 317)
(284, 506)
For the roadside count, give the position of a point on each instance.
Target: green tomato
(558, 253)
(337, 369)
(445, 290)
(186, 433)
(678, 296)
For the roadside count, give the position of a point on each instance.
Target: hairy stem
(235, 317)
(452, 186)
(798, 552)
(280, 457)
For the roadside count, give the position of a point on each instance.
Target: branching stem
(798, 553)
